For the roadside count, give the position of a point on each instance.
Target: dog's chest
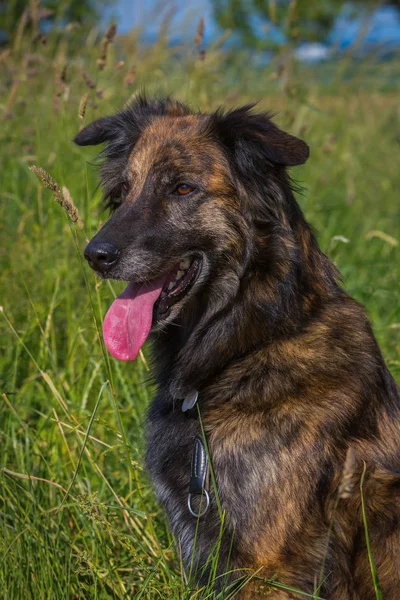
(171, 435)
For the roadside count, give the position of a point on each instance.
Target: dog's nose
(101, 256)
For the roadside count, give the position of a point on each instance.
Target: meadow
(78, 519)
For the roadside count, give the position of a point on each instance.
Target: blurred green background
(71, 418)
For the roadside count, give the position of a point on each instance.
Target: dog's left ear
(102, 130)
(253, 136)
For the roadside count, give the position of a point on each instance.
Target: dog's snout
(101, 256)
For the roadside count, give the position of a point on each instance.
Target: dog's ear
(252, 136)
(102, 130)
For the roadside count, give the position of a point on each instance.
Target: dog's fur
(288, 370)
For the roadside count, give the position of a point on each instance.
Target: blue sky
(384, 25)
(149, 15)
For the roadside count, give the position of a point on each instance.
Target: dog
(273, 438)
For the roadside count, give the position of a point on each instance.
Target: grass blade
(105, 384)
(374, 573)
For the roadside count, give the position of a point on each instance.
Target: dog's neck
(285, 281)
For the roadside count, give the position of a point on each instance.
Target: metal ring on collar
(203, 512)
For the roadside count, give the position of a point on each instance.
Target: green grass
(78, 519)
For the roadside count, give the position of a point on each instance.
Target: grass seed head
(105, 42)
(82, 107)
(61, 196)
(198, 40)
(130, 77)
(88, 80)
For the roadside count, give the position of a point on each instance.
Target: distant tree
(306, 20)
(81, 11)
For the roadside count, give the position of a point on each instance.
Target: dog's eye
(184, 189)
(112, 203)
(117, 196)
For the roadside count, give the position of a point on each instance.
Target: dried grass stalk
(383, 236)
(22, 23)
(34, 6)
(104, 44)
(272, 11)
(82, 107)
(11, 99)
(130, 77)
(347, 482)
(198, 40)
(60, 84)
(88, 80)
(61, 196)
(5, 54)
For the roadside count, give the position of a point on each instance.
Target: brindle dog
(244, 308)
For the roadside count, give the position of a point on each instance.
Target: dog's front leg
(270, 503)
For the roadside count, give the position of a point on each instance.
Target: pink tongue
(128, 320)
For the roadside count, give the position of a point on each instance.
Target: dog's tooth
(180, 274)
(182, 264)
(171, 285)
(185, 264)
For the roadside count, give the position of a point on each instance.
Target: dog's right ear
(253, 138)
(101, 130)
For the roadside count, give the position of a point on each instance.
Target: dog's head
(184, 192)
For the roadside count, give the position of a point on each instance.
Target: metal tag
(190, 401)
(198, 475)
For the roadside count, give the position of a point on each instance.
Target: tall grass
(78, 518)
